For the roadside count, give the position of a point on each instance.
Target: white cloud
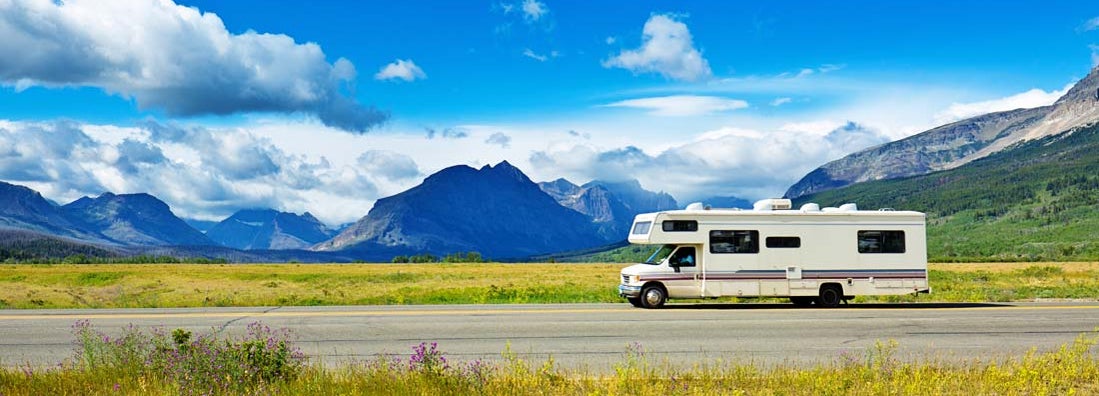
(666, 48)
(747, 163)
(401, 69)
(174, 58)
(610, 40)
(447, 133)
(199, 172)
(533, 10)
(1094, 54)
(682, 105)
(781, 101)
(499, 139)
(1032, 98)
(531, 54)
(1091, 24)
(391, 165)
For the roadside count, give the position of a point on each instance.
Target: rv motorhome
(811, 255)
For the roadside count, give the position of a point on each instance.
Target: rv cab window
(684, 257)
(660, 254)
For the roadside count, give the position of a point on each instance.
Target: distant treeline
(461, 257)
(139, 259)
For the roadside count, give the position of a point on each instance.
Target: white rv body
(810, 255)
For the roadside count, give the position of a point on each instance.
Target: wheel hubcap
(652, 297)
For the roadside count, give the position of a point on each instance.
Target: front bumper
(629, 291)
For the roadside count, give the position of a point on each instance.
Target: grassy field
(199, 285)
(266, 362)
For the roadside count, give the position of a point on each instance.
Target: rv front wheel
(830, 296)
(635, 301)
(653, 296)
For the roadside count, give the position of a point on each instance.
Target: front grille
(626, 279)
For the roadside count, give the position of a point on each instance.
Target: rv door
(685, 261)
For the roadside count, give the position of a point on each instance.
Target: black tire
(635, 301)
(653, 296)
(802, 301)
(830, 296)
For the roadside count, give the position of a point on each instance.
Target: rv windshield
(660, 254)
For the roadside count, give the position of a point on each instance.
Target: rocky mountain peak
(958, 143)
(495, 210)
(265, 228)
(1084, 91)
(506, 169)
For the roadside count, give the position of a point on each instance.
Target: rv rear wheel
(653, 296)
(830, 295)
(635, 301)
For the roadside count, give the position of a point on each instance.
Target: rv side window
(881, 241)
(783, 242)
(642, 227)
(734, 241)
(679, 225)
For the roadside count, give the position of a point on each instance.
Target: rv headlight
(634, 279)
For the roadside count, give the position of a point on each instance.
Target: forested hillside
(1035, 201)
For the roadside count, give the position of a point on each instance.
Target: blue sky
(220, 105)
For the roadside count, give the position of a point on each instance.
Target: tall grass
(203, 285)
(264, 362)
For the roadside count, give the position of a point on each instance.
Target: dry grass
(198, 285)
(1070, 267)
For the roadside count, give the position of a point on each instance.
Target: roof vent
(810, 207)
(773, 204)
(849, 207)
(696, 206)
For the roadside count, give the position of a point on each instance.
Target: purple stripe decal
(781, 275)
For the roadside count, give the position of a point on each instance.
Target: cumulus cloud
(666, 48)
(198, 171)
(533, 10)
(1032, 98)
(401, 70)
(539, 57)
(499, 139)
(174, 58)
(390, 165)
(753, 164)
(447, 133)
(1091, 24)
(682, 105)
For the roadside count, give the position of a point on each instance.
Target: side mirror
(674, 265)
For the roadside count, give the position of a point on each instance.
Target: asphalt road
(595, 336)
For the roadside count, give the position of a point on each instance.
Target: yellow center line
(284, 314)
(465, 312)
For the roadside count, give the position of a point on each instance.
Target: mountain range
(958, 143)
(611, 206)
(1012, 185)
(132, 219)
(1032, 194)
(495, 210)
(269, 229)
